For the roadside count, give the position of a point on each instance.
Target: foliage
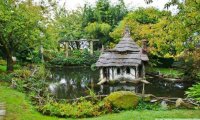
(100, 20)
(194, 92)
(6, 77)
(167, 72)
(24, 73)
(2, 62)
(147, 24)
(69, 26)
(190, 63)
(76, 58)
(75, 110)
(99, 30)
(19, 28)
(147, 106)
(104, 12)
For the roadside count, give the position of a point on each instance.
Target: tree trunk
(9, 64)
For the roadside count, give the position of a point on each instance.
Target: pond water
(74, 82)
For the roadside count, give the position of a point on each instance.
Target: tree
(99, 30)
(100, 20)
(20, 27)
(69, 26)
(150, 24)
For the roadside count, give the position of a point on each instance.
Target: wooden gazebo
(125, 62)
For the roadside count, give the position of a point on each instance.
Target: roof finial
(127, 31)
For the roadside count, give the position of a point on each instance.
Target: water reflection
(68, 83)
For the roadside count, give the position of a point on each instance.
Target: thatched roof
(126, 53)
(127, 44)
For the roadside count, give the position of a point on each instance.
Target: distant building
(125, 62)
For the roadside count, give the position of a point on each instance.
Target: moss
(123, 99)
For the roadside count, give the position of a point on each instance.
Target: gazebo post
(143, 89)
(42, 52)
(102, 48)
(101, 73)
(66, 47)
(143, 70)
(136, 71)
(110, 73)
(91, 47)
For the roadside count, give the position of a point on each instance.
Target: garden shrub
(142, 105)
(194, 92)
(190, 63)
(76, 57)
(6, 77)
(79, 109)
(22, 73)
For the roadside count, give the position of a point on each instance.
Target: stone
(179, 101)
(123, 99)
(164, 105)
(2, 112)
(154, 100)
(181, 104)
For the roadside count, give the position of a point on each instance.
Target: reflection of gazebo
(66, 44)
(125, 62)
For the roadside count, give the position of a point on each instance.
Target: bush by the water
(79, 109)
(194, 92)
(76, 57)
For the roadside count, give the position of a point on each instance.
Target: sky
(131, 4)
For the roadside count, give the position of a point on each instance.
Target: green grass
(18, 108)
(150, 115)
(166, 71)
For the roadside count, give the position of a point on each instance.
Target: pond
(74, 82)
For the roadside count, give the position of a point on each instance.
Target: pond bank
(165, 72)
(20, 109)
(80, 79)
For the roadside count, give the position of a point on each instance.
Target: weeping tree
(20, 27)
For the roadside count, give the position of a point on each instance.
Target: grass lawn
(19, 108)
(150, 115)
(166, 71)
